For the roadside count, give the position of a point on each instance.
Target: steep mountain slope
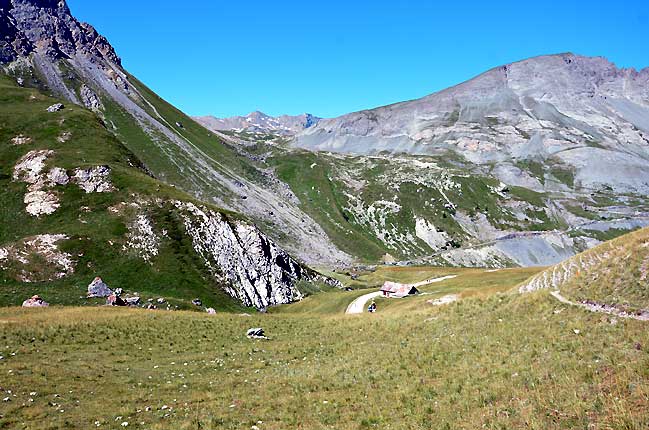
(43, 45)
(259, 122)
(581, 114)
(441, 210)
(614, 274)
(77, 204)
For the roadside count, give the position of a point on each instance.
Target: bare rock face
(90, 99)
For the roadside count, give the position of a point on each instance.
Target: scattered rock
(211, 311)
(444, 300)
(21, 140)
(132, 301)
(115, 300)
(142, 238)
(93, 180)
(35, 302)
(37, 259)
(161, 300)
(197, 302)
(64, 137)
(56, 108)
(98, 288)
(256, 333)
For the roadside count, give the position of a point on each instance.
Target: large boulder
(35, 302)
(98, 288)
(55, 108)
(256, 333)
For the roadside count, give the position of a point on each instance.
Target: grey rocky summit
(582, 112)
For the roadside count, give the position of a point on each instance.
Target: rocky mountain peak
(47, 28)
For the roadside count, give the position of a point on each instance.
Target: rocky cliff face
(256, 271)
(584, 113)
(259, 122)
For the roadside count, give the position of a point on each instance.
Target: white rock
(58, 176)
(55, 108)
(30, 166)
(21, 140)
(41, 203)
(142, 239)
(94, 180)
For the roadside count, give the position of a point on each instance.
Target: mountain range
(259, 122)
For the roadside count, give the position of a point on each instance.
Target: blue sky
(329, 58)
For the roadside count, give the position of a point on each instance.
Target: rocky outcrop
(97, 288)
(94, 179)
(253, 269)
(37, 259)
(41, 198)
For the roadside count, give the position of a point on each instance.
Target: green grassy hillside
(501, 362)
(615, 273)
(96, 235)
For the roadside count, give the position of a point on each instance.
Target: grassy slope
(174, 273)
(621, 278)
(501, 362)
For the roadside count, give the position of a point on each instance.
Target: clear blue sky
(229, 57)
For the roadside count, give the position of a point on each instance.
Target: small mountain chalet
(394, 290)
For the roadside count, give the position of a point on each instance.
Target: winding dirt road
(358, 305)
